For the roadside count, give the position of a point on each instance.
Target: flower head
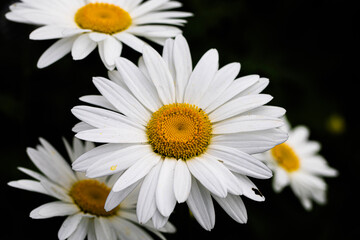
(81, 199)
(181, 134)
(83, 25)
(297, 163)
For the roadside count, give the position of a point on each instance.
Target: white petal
(165, 197)
(131, 40)
(53, 32)
(146, 205)
(81, 230)
(97, 100)
(114, 135)
(101, 118)
(240, 162)
(183, 66)
(69, 226)
(146, 7)
(122, 100)
(270, 111)
(252, 142)
(137, 171)
(201, 77)
(236, 87)
(139, 85)
(82, 47)
(126, 230)
(234, 207)
(238, 106)
(54, 209)
(118, 161)
(29, 185)
(280, 180)
(56, 51)
(103, 229)
(182, 181)
(246, 123)
(222, 79)
(201, 205)
(167, 55)
(160, 75)
(112, 50)
(159, 220)
(249, 188)
(115, 198)
(204, 170)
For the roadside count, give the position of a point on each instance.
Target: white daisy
(298, 164)
(81, 199)
(82, 25)
(184, 134)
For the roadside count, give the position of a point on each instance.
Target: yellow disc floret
(90, 196)
(103, 17)
(285, 156)
(180, 131)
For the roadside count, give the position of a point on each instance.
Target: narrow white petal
(118, 161)
(204, 170)
(222, 80)
(160, 75)
(146, 205)
(234, 207)
(54, 209)
(139, 85)
(56, 51)
(131, 40)
(97, 100)
(115, 198)
(182, 181)
(159, 220)
(201, 77)
(53, 32)
(81, 126)
(146, 7)
(249, 188)
(101, 118)
(127, 230)
(240, 162)
(280, 180)
(165, 197)
(114, 135)
(82, 47)
(270, 111)
(201, 205)
(238, 106)
(29, 185)
(69, 226)
(235, 88)
(137, 171)
(81, 230)
(246, 123)
(103, 229)
(183, 66)
(112, 50)
(167, 55)
(122, 100)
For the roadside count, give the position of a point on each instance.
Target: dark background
(308, 50)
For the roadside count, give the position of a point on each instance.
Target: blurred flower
(298, 164)
(82, 25)
(336, 124)
(80, 199)
(184, 134)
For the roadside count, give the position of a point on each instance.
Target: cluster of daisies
(165, 132)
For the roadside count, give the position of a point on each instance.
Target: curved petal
(182, 181)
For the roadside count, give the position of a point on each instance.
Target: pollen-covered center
(179, 130)
(286, 157)
(103, 17)
(90, 196)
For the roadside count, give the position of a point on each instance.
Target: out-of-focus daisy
(81, 199)
(82, 25)
(297, 163)
(184, 134)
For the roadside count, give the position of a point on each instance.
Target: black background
(308, 50)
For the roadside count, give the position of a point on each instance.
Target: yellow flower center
(286, 157)
(103, 17)
(90, 196)
(179, 130)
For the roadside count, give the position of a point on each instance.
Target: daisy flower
(183, 134)
(83, 25)
(297, 163)
(81, 199)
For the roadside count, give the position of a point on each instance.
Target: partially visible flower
(81, 199)
(184, 134)
(297, 163)
(83, 25)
